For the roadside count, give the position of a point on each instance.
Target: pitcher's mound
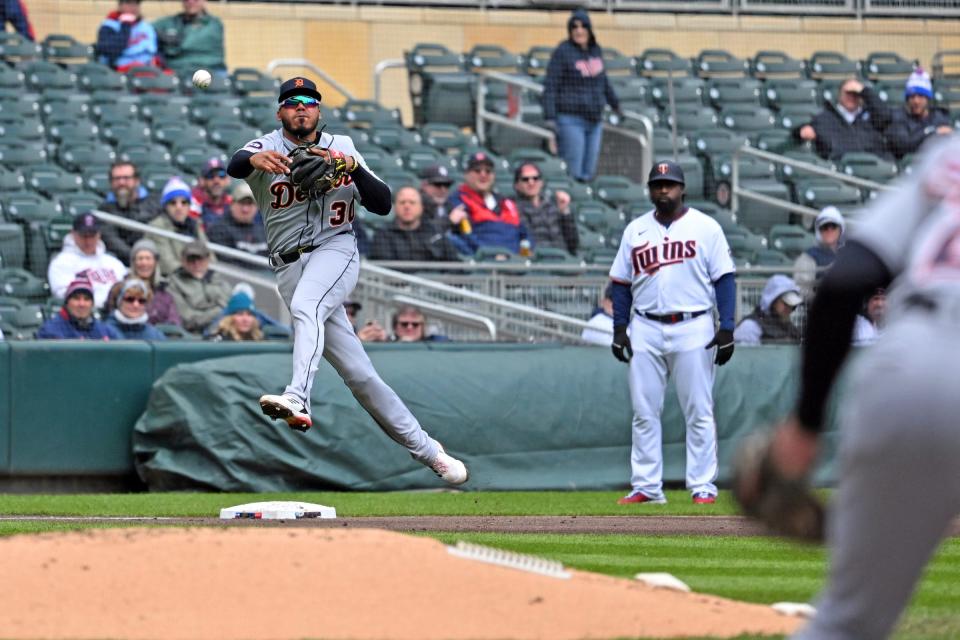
(273, 583)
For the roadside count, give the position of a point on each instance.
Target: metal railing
(737, 191)
(303, 62)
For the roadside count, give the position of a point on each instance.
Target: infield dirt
(262, 583)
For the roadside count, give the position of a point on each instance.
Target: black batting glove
(723, 341)
(621, 345)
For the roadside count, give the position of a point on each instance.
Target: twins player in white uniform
(673, 267)
(898, 489)
(313, 252)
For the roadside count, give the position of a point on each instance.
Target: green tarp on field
(522, 417)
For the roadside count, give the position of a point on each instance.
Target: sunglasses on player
(295, 101)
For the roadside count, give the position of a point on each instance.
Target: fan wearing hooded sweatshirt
(809, 266)
(770, 321)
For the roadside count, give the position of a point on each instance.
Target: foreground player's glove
(313, 174)
(786, 506)
(622, 350)
(723, 341)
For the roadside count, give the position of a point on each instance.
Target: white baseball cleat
(288, 409)
(450, 470)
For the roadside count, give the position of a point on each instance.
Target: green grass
(752, 569)
(585, 503)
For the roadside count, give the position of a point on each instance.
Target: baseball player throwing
(673, 266)
(898, 486)
(308, 205)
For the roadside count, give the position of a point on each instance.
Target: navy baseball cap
(666, 171)
(86, 224)
(298, 87)
(479, 159)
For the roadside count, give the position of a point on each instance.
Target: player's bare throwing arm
(308, 206)
(898, 487)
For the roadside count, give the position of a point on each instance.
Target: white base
(278, 510)
(662, 581)
(799, 609)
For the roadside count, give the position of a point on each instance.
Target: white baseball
(202, 79)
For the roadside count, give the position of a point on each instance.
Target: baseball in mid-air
(202, 78)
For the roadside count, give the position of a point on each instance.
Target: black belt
(673, 318)
(290, 256)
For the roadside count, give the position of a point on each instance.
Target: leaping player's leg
(648, 381)
(313, 288)
(345, 352)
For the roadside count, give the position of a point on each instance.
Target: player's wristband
(355, 165)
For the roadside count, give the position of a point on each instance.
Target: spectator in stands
(129, 316)
(130, 199)
(547, 219)
(907, 128)
(175, 217)
(161, 307)
(435, 183)
(242, 229)
(409, 237)
(845, 127)
(192, 40)
(600, 329)
(84, 251)
(200, 293)
(369, 332)
(263, 319)
(210, 199)
(410, 325)
(770, 321)
(575, 92)
(15, 12)
(809, 266)
(870, 320)
(75, 320)
(239, 323)
(125, 40)
(493, 220)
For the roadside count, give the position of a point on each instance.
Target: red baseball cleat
(637, 497)
(704, 498)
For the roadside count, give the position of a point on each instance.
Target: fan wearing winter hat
(239, 323)
(129, 315)
(175, 217)
(918, 120)
(829, 228)
(75, 320)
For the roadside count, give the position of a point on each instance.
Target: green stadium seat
(171, 134)
(780, 93)
(887, 66)
(659, 62)
(535, 60)
(21, 156)
(114, 113)
(19, 109)
(261, 115)
(58, 229)
(817, 193)
(447, 138)
(78, 157)
(792, 116)
(220, 86)
(601, 218)
(207, 110)
(620, 191)
(381, 160)
(417, 161)
(723, 216)
(94, 77)
(747, 118)
(51, 181)
(74, 204)
(775, 141)
(73, 132)
(692, 118)
(710, 63)
(26, 131)
(749, 168)
(11, 180)
(771, 258)
(65, 49)
(831, 65)
(174, 111)
(634, 92)
(41, 75)
(768, 64)
(789, 174)
(711, 142)
(617, 64)
(190, 156)
(154, 177)
(491, 57)
(248, 81)
(946, 92)
(125, 131)
(14, 48)
(230, 135)
(693, 174)
(686, 91)
(11, 78)
(722, 92)
(440, 89)
(760, 217)
(397, 178)
(152, 80)
(578, 191)
(367, 114)
(29, 207)
(663, 142)
(21, 284)
(490, 253)
(396, 139)
(96, 179)
(142, 152)
(550, 165)
(13, 249)
(868, 167)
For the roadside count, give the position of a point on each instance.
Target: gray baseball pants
(314, 289)
(899, 488)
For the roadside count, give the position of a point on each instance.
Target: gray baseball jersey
(292, 220)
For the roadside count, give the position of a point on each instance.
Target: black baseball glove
(313, 175)
(786, 506)
(723, 341)
(622, 350)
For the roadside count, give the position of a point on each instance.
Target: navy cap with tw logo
(86, 224)
(666, 172)
(298, 87)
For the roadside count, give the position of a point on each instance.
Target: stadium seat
(96, 179)
(27, 131)
(767, 64)
(747, 118)
(447, 138)
(831, 65)
(154, 177)
(11, 180)
(142, 152)
(42, 75)
(15, 48)
(114, 133)
(417, 161)
(22, 156)
(13, 249)
(397, 178)
(72, 132)
(632, 91)
(52, 181)
(887, 66)
(686, 91)
(94, 77)
(617, 64)
(598, 217)
(77, 157)
(693, 174)
(534, 62)
(749, 169)
(722, 92)
(760, 217)
(578, 191)
(661, 62)
(492, 57)
(367, 114)
(56, 230)
(620, 191)
(780, 93)
(712, 142)
(946, 92)
(74, 204)
(868, 166)
(820, 192)
(260, 115)
(11, 78)
(550, 166)
(710, 63)
(395, 138)
(248, 81)
(190, 155)
(381, 160)
(663, 142)
(173, 111)
(490, 253)
(220, 86)
(29, 207)
(66, 50)
(440, 89)
(692, 118)
(792, 116)
(230, 135)
(114, 113)
(19, 109)
(170, 134)
(210, 109)
(723, 216)
(151, 79)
